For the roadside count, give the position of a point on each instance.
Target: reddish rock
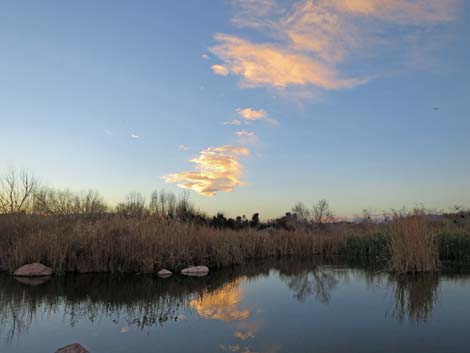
(33, 270)
(164, 273)
(198, 271)
(72, 348)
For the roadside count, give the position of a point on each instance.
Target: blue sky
(332, 99)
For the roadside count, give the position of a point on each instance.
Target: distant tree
(16, 191)
(255, 220)
(65, 202)
(153, 204)
(321, 212)
(302, 212)
(134, 205)
(184, 209)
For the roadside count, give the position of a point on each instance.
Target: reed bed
(118, 244)
(112, 243)
(413, 248)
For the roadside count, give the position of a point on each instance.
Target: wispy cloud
(216, 169)
(251, 114)
(234, 122)
(308, 41)
(247, 137)
(205, 56)
(272, 65)
(220, 70)
(183, 148)
(135, 136)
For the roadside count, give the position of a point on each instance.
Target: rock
(164, 273)
(198, 271)
(33, 270)
(72, 348)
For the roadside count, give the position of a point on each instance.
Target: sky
(251, 105)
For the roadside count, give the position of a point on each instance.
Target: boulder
(164, 273)
(198, 271)
(72, 348)
(33, 270)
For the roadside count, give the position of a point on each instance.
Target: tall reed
(120, 244)
(412, 245)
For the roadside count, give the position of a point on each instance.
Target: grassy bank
(119, 244)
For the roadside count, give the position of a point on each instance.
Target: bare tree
(153, 204)
(321, 212)
(65, 202)
(302, 212)
(16, 191)
(134, 205)
(184, 208)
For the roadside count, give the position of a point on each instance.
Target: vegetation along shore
(72, 232)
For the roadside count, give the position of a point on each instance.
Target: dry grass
(117, 244)
(412, 245)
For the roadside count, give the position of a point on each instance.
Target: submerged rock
(33, 270)
(164, 273)
(198, 271)
(72, 348)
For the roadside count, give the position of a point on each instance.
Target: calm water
(266, 308)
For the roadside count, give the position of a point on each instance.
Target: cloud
(205, 56)
(246, 137)
(245, 133)
(222, 304)
(134, 136)
(271, 65)
(220, 70)
(217, 169)
(253, 114)
(234, 122)
(183, 148)
(306, 43)
(402, 11)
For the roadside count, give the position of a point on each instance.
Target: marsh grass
(119, 244)
(413, 248)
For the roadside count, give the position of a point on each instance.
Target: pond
(277, 306)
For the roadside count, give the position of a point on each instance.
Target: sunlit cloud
(253, 114)
(220, 70)
(223, 304)
(216, 169)
(402, 11)
(308, 41)
(135, 136)
(183, 148)
(272, 65)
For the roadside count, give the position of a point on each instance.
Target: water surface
(269, 307)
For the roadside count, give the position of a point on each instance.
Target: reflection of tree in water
(415, 296)
(140, 301)
(318, 282)
(311, 278)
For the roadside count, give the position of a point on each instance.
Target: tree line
(22, 193)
